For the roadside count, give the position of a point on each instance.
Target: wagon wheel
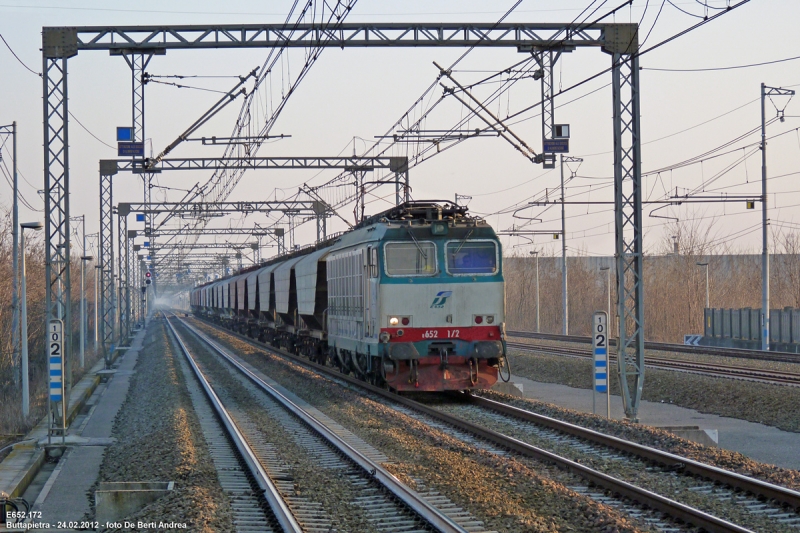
(317, 354)
(360, 364)
(343, 361)
(331, 357)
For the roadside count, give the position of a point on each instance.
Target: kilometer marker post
(57, 404)
(600, 358)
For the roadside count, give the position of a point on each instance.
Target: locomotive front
(442, 303)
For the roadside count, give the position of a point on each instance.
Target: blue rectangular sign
(600, 351)
(124, 133)
(140, 217)
(555, 146)
(130, 149)
(600, 357)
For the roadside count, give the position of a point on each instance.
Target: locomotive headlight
(393, 320)
(490, 319)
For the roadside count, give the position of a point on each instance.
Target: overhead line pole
(764, 235)
(564, 278)
(564, 281)
(629, 248)
(108, 169)
(765, 326)
(138, 63)
(15, 307)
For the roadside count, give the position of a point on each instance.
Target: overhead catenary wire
(71, 114)
(716, 69)
(179, 86)
(420, 157)
(7, 175)
(639, 54)
(21, 62)
(90, 133)
(684, 11)
(420, 100)
(603, 233)
(221, 183)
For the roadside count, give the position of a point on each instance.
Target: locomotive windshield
(471, 257)
(410, 259)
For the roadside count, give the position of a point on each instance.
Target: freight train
(411, 299)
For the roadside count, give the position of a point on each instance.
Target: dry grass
(674, 285)
(11, 420)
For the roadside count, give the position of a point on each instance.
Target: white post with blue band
(56, 357)
(600, 357)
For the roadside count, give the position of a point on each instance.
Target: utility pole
(536, 254)
(36, 226)
(84, 258)
(15, 345)
(766, 91)
(98, 271)
(564, 295)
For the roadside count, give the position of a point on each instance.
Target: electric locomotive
(411, 298)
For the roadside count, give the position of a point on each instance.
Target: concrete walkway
(757, 441)
(66, 495)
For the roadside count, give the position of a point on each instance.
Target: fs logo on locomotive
(441, 299)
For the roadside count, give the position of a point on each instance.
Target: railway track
(241, 474)
(594, 442)
(694, 367)
(738, 353)
(769, 502)
(383, 501)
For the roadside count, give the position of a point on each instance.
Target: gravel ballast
(687, 489)
(772, 405)
(506, 493)
(329, 487)
(660, 439)
(159, 439)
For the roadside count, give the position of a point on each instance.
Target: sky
(692, 103)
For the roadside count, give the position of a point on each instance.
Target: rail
(271, 494)
(668, 506)
(781, 357)
(755, 486)
(413, 500)
(694, 367)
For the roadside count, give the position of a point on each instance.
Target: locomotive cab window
(373, 262)
(471, 257)
(410, 258)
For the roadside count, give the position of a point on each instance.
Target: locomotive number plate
(445, 334)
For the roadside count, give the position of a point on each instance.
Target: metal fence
(744, 325)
